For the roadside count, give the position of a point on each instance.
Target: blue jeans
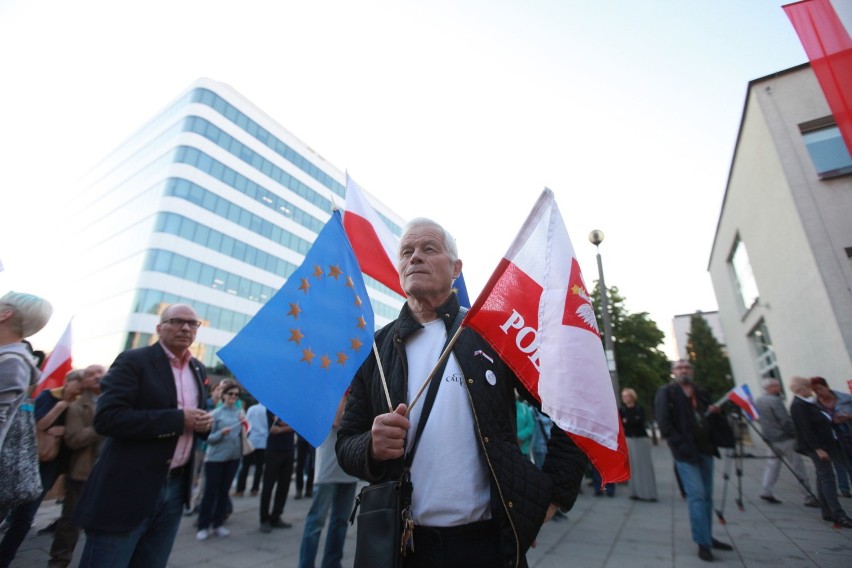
(148, 545)
(339, 497)
(697, 480)
(843, 473)
(609, 488)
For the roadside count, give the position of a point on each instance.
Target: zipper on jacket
(494, 475)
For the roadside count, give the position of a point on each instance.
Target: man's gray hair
(768, 382)
(799, 384)
(31, 312)
(449, 241)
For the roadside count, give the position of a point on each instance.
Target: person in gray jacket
(778, 431)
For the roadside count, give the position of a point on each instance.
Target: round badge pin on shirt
(490, 377)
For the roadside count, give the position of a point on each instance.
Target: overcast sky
(457, 110)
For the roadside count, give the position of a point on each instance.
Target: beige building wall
(797, 230)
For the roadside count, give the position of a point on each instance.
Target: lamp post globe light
(596, 237)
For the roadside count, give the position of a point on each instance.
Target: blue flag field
(298, 354)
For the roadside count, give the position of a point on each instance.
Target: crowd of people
(154, 419)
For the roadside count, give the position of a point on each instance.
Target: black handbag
(385, 524)
(383, 519)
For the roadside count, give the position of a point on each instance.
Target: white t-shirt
(449, 474)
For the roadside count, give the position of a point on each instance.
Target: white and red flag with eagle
(536, 312)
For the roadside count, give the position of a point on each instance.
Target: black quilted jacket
(520, 493)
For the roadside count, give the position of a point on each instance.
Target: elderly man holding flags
(476, 500)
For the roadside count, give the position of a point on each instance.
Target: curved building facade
(213, 204)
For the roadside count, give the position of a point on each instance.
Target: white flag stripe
(60, 354)
(574, 384)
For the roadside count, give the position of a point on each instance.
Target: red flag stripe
(373, 243)
(57, 365)
(369, 252)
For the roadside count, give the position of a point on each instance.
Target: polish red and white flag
(741, 396)
(535, 311)
(57, 365)
(374, 244)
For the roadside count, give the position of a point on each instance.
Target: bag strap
(436, 380)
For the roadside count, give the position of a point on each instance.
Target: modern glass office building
(213, 204)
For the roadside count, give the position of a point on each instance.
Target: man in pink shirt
(151, 411)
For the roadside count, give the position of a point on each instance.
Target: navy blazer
(138, 413)
(813, 428)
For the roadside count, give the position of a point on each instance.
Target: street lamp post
(596, 237)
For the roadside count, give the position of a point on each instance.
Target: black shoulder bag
(385, 524)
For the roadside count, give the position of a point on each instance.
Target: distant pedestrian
(258, 432)
(84, 445)
(224, 449)
(816, 439)
(277, 472)
(305, 455)
(643, 480)
(526, 425)
(541, 434)
(694, 429)
(778, 429)
(838, 406)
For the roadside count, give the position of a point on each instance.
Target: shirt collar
(174, 360)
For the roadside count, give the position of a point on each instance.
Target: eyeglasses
(232, 394)
(179, 322)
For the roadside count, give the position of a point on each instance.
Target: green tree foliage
(712, 368)
(636, 341)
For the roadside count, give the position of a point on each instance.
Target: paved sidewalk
(600, 531)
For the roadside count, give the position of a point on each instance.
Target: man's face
(177, 336)
(682, 372)
(804, 389)
(773, 388)
(426, 269)
(92, 378)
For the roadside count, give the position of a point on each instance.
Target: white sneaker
(203, 534)
(221, 532)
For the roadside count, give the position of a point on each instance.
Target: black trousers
(476, 545)
(279, 469)
(304, 466)
(257, 459)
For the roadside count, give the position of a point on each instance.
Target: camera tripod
(735, 457)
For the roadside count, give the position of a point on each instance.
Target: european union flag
(299, 353)
(460, 288)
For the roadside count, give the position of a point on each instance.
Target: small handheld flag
(58, 364)
(741, 396)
